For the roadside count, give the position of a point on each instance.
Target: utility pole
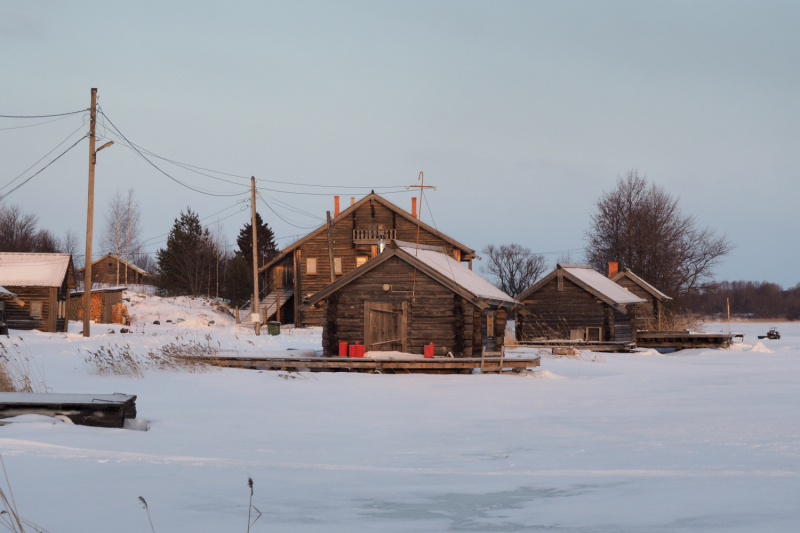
(421, 188)
(330, 249)
(128, 238)
(254, 304)
(87, 272)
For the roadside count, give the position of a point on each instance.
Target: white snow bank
(36, 419)
(760, 348)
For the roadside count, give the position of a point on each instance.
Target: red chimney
(414, 206)
(336, 206)
(613, 268)
(352, 201)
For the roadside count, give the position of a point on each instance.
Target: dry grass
(18, 373)
(187, 356)
(681, 321)
(9, 516)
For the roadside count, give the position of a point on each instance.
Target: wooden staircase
(270, 301)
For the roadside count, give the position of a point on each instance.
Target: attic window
(110, 264)
(36, 309)
(311, 265)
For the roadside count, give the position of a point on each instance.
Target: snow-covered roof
(33, 269)
(454, 270)
(115, 288)
(113, 256)
(602, 284)
(642, 283)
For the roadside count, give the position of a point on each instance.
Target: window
(311, 265)
(361, 260)
(111, 264)
(337, 265)
(36, 309)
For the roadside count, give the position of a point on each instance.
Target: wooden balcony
(370, 236)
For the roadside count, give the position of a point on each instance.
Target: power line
(37, 124)
(40, 159)
(190, 187)
(44, 167)
(44, 116)
(280, 217)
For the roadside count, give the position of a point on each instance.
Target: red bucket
(342, 349)
(428, 349)
(357, 349)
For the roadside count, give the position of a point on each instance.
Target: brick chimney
(352, 200)
(336, 206)
(414, 206)
(613, 268)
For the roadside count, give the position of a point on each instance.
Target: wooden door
(278, 279)
(385, 326)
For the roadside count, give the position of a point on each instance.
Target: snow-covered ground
(699, 440)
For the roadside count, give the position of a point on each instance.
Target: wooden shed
(576, 302)
(106, 305)
(409, 297)
(41, 283)
(113, 270)
(649, 314)
(304, 267)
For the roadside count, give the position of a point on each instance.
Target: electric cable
(44, 167)
(37, 124)
(280, 217)
(44, 116)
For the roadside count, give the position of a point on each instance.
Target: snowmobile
(771, 334)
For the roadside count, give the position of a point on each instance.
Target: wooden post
(237, 315)
(87, 271)
(483, 357)
(296, 288)
(254, 304)
(264, 312)
(128, 239)
(728, 301)
(66, 308)
(330, 248)
(217, 298)
(278, 310)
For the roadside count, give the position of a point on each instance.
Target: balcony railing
(371, 236)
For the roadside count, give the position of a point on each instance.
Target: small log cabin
(42, 284)
(409, 297)
(650, 314)
(105, 270)
(578, 303)
(304, 267)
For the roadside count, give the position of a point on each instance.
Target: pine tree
(238, 287)
(266, 242)
(184, 264)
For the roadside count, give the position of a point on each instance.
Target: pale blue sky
(521, 113)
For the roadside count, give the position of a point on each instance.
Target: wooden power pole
(254, 304)
(87, 271)
(330, 249)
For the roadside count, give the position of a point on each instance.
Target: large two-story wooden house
(304, 267)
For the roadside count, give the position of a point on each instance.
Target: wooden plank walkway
(579, 345)
(684, 339)
(100, 410)
(435, 365)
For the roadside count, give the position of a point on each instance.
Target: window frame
(38, 304)
(309, 262)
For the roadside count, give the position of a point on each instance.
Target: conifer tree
(266, 242)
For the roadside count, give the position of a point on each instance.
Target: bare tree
(70, 243)
(514, 267)
(17, 230)
(640, 226)
(121, 235)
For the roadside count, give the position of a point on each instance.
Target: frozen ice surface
(698, 440)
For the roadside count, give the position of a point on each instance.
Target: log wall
(436, 314)
(105, 271)
(19, 317)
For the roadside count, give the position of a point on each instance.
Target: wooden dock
(685, 339)
(99, 410)
(592, 346)
(411, 365)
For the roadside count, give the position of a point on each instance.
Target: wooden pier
(410, 365)
(100, 410)
(685, 339)
(593, 346)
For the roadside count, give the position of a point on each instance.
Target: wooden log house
(304, 268)
(578, 303)
(106, 269)
(42, 284)
(651, 313)
(409, 297)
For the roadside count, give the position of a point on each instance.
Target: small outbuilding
(650, 315)
(113, 270)
(410, 296)
(106, 306)
(41, 286)
(578, 303)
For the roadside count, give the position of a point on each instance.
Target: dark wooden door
(385, 325)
